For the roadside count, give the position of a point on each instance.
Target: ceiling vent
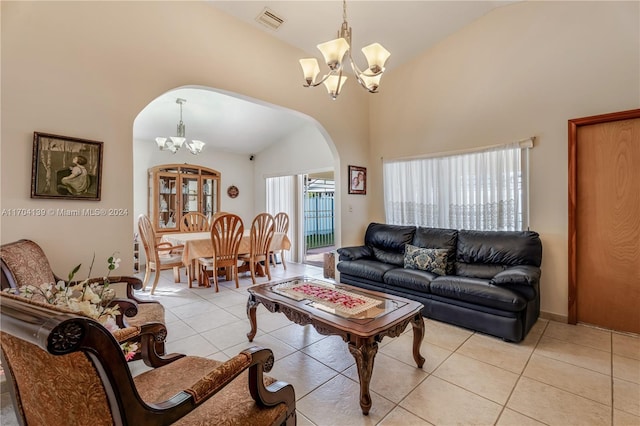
(269, 19)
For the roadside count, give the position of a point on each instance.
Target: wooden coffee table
(361, 317)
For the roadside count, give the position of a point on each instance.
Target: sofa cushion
(355, 253)
(413, 279)
(365, 268)
(393, 258)
(499, 247)
(482, 254)
(438, 238)
(388, 241)
(478, 291)
(517, 275)
(426, 259)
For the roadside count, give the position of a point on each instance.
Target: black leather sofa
(491, 280)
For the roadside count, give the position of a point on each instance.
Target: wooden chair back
(226, 235)
(160, 256)
(148, 237)
(281, 221)
(194, 222)
(262, 230)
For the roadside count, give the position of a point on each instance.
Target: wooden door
(604, 221)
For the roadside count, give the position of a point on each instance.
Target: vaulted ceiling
(405, 28)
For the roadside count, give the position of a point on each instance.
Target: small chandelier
(174, 143)
(334, 52)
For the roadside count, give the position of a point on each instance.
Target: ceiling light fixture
(334, 52)
(174, 143)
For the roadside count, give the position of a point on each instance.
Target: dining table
(199, 244)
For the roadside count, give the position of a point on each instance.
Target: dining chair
(281, 223)
(262, 230)
(226, 234)
(194, 222)
(65, 369)
(160, 256)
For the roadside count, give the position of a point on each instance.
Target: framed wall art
(357, 180)
(65, 167)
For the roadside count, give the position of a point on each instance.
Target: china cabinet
(177, 189)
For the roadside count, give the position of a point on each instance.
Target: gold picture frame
(66, 168)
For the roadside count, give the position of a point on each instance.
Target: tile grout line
(515, 385)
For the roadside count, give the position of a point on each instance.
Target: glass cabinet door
(190, 194)
(167, 202)
(209, 197)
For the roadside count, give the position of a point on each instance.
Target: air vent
(268, 18)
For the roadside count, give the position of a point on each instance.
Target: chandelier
(334, 52)
(174, 143)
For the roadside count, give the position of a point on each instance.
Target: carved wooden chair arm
(150, 333)
(257, 360)
(124, 334)
(219, 378)
(128, 308)
(166, 247)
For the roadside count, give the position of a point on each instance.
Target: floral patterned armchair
(76, 374)
(23, 262)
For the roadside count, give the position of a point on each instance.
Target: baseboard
(554, 317)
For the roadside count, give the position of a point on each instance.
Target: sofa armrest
(517, 275)
(355, 253)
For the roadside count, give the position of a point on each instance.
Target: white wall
(86, 69)
(303, 151)
(522, 70)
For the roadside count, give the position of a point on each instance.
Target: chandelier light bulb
(310, 68)
(334, 84)
(333, 52)
(376, 57)
(371, 83)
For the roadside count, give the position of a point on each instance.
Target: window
(483, 190)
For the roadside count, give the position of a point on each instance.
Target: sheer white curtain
(281, 197)
(483, 190)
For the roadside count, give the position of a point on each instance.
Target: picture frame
(66, 168)
(357, 180)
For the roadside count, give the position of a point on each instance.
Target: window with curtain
(482, 190)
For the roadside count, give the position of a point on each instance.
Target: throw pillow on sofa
(430, 260)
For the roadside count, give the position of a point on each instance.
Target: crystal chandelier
(334, 52)
(174, 143)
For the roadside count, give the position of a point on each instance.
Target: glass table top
(338, 299)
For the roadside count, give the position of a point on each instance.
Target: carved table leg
(418, 335)
(364, 353)
(252, 304)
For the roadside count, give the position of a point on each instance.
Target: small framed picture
(65, 167)
(357, 180)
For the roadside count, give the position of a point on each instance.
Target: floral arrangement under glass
(92, 299)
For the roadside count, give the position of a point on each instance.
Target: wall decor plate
(233, 191)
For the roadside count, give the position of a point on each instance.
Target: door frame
(574, 125)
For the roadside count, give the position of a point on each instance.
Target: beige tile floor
(559, 375)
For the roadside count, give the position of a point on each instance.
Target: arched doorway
(247, 140)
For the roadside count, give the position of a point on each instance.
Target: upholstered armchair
(23, 262)
(76, 374)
